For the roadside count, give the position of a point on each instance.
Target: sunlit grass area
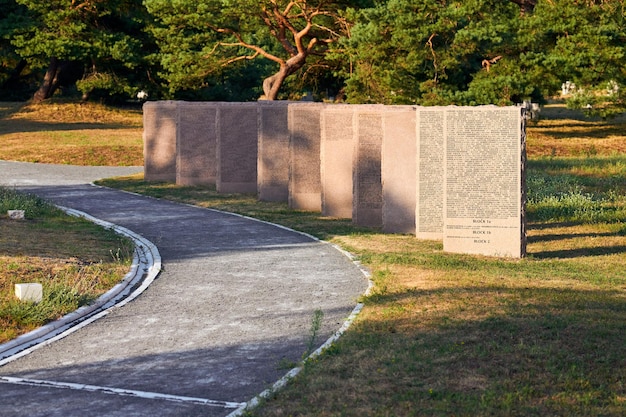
(447, 334)
(71, 133)
(74, 260)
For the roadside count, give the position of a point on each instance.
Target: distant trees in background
(382, 51)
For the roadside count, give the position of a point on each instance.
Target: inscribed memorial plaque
(273, 163)
(237, 146)
(430, 173)
(368, 189)
(337, 148)
(483, 181)
(196, 144)
(305, 185)
(398, 169)
(159, 140)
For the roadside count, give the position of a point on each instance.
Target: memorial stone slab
(483, 181)
(367, 182)
(196, 162)
(429, 217)
(398, 169)
(305, 185)
(159, 140)
(273, 154)
(337, 149)
(237, 147)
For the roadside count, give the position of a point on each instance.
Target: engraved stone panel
(305, 186)
(429, 215)
(196, 144)
(367, 183)
(273, 158)
(483, 186)
(337, 148)
(159, 140)
(398, 169)
(237, 145)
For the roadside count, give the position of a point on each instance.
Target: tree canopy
(384, 51)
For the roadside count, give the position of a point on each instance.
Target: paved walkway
(234, 302)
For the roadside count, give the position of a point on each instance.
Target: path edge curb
(146, 266)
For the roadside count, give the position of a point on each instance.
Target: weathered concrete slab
(483, 186)
(399, 155)
(196, 145)
(273, 154)
(305, 185)
(237, 147)
(159, 140)
(338, 133)
(367, 209)
(429, 217)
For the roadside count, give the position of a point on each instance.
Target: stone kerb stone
(338, 141)
(273, 151)
(367, 183)
(159, 140)
(398, 169)
(483, 181)
(237, 147)
(305, 186)
(196, 159)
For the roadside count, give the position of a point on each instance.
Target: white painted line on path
(119, 391)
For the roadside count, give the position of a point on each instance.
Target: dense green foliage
(384, 51)
(487, 51)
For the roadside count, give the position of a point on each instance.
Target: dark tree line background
(423, 52)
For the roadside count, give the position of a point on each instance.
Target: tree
(200, 38)
(583, 42)
(488, 51)
(430, 51)
(94, 40)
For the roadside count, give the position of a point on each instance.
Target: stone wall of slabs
(338, 132)
(196, 145)
(159, 140)
(449, 173)
(273, 152)
(398, 169)
(305, 182)
(237, 147)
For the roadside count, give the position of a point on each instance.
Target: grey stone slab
(159, 138)
(483, 181)
(398, 169)
(367, 209)
(305, 184)
(237, 147)
(430, 181)
(338, 144)
(273, 154)
(196, 145)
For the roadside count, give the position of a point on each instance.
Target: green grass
(74, 260)
(449, 334)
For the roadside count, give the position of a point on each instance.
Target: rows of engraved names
(430, 171)
(369, 192)
(483, 163)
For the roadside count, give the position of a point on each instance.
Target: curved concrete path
(233, 304)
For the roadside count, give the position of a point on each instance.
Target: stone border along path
(229, 313)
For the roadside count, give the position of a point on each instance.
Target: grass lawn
(74, 260)
(447, 334)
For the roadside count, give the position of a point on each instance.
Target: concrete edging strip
(145, 267)
(281, 383)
